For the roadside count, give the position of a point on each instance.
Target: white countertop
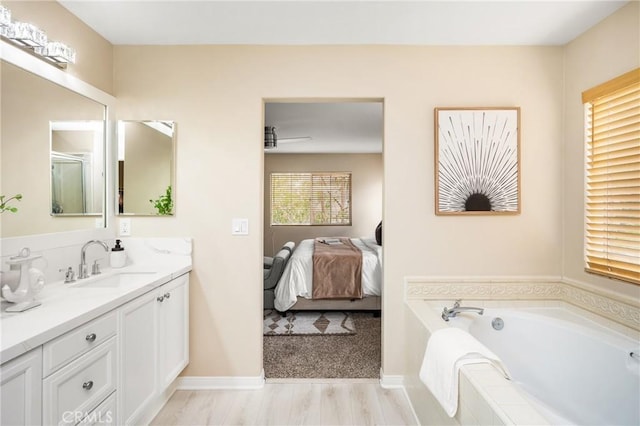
(66, 306)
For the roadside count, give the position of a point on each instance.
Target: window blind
(311, 198)
(612, 210)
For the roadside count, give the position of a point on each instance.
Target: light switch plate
(240, 226)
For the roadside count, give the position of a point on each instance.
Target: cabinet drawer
(63, 349)
(103, 415)
(75, 390)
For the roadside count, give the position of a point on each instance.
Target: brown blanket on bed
(337, 270)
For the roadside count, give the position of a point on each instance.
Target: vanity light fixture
(34, 40)
(27, 35)
(5, 16)
(57, 52)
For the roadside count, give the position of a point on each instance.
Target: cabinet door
(21, 390)
(174, 329)
(138, 356)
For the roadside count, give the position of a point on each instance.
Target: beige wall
(216, 93)
(366, 195)
(606, 51)
(94, 60)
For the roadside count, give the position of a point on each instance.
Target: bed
(295, 288)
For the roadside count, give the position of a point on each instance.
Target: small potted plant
(4, 203)
(164, 204)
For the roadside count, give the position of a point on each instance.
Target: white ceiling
(339, 127)
(448, 22)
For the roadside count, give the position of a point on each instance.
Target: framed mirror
(33, 110)
(77, 167)
(146, 178)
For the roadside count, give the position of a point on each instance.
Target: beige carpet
(326, 356)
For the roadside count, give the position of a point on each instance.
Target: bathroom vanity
(105, 350)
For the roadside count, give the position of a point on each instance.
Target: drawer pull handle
(87, 385)
(167, 295)
(91, 337)
(160, 298)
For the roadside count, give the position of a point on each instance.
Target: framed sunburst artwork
(477, 160)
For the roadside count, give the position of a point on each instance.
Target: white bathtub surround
(612, 306)
(475, 405)
(448, 349)
(576, 371)
(533, 357)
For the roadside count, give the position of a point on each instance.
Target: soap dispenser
(118, 256)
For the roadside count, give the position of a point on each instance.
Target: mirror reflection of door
(76, 167)
(145, 167)
(67, 183)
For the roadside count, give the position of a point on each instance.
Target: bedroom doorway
(323, 185)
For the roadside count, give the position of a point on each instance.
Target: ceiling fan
(271, 138)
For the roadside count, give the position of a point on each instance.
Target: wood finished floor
(331, 403)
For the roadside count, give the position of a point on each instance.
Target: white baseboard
(391, 382)
(221, 382)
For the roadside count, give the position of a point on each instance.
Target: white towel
(447, 350)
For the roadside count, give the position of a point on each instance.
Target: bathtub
(574, 370)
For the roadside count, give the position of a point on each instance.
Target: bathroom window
(612, 205)
(311, 198)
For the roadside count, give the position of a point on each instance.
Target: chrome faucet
(450, 313)
(83, 270)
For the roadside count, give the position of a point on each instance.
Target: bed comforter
(297, 278)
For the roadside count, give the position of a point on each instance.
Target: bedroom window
(311, 198)
(612, 206)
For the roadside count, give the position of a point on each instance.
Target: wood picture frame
(477, 160)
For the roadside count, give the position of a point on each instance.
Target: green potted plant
(164, 204)
(4, 204)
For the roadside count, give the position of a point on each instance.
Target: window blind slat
(621, 138)
(630, 103)
(604, 132)
(628, 183)
(614, 177)
(605, 122)
(628, 156)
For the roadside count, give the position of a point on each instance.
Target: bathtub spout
(452, 312)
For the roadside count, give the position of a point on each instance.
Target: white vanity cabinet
(21, 390)
(116, 368)
(154, 333)
(79, 370)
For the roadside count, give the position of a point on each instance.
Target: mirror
(77, 160)
(30, 107)
(146, 167)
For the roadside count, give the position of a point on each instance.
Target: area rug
(308, 323)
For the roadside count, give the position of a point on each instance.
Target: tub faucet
(450, 313)
(83, 270)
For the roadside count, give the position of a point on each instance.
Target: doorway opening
(323, 202)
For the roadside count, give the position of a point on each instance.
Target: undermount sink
(113, 281)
